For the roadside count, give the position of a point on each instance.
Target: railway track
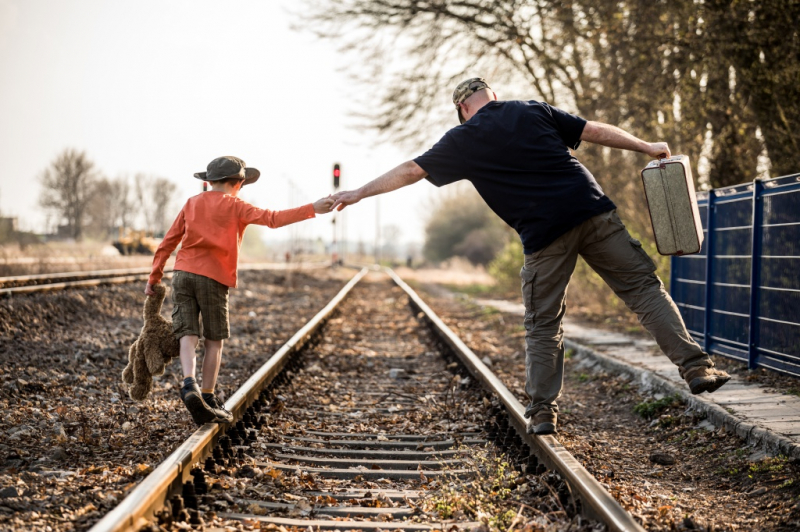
(26, 284)
(373, 416)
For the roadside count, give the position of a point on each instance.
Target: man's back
(517, 155)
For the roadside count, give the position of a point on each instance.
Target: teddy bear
(152, 350)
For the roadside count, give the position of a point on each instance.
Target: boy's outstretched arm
(250, 214)
(406, 174)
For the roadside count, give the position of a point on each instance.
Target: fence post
(709, 269)
(755, 271)
(673, 260)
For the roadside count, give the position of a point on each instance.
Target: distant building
(8, 227)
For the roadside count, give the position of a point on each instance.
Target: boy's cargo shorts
(193, 295)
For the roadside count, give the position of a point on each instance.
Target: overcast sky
(164, 87)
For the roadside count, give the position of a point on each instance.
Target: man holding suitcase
(517, 155)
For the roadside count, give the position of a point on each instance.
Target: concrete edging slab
(754, 435)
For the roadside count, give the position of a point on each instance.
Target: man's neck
(481, 105)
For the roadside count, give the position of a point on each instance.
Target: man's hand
(148, 290)
(659, 150)
(323, 205)
(345, 198)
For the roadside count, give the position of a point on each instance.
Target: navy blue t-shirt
(517, 155)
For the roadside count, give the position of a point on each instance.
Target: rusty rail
(152, 492)
(596, 500)
(50, 281)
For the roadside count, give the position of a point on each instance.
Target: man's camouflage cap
(465, 89)
(228, 167)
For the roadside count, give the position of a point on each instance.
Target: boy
(210, 228)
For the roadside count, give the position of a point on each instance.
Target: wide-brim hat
(465, 89)
(228, 167)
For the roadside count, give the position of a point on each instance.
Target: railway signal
(336, 174)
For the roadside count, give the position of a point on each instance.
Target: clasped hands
(337, 201)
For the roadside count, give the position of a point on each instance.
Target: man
(517, 155)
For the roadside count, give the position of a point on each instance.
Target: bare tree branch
(68, 185)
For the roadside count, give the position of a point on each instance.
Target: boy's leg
(213, 303)
(188, 345)
(545, 277)
(622, 263)
(190, 391)
(211, 363)
(186, 326)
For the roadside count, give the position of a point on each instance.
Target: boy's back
(210, 228)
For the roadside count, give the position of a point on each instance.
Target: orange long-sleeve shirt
(210, 228)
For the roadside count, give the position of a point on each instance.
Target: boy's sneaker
(705, 379)
(218, 407)
(201, 413)
(543, 422)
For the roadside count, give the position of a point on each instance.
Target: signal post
(334, 249)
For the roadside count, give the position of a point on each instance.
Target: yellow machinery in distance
(133, 242)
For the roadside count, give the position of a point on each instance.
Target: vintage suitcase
(672, 203)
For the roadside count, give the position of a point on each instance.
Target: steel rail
(67, 275)
(596, 500)
(29, 289)
(150, 495)
(103, 277)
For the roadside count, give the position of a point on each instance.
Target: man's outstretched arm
(407, 173)
(614, 137)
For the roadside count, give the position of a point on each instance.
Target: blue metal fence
(740, 296)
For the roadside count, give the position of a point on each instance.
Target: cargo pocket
(527, 289)
(177, 318)
(645, 258)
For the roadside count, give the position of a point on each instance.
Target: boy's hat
(465, 89)
(228, 167)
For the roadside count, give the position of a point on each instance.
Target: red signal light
(336, 174)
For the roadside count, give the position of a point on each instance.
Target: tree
(462, 224)
(121, 202)
(68, 186)
(155, 196)
(100, 217)
(719, 74)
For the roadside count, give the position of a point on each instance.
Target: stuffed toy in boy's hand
(154, 348)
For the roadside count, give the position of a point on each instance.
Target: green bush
(461, 224)
(506, 265)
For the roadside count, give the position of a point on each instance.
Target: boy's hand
(148, 290)
(345, 198)
(323, 205)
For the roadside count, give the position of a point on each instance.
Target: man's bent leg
(622, 263)
(545, 277)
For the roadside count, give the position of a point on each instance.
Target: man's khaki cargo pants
(619, 259)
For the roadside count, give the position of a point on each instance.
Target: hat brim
(251, 175)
